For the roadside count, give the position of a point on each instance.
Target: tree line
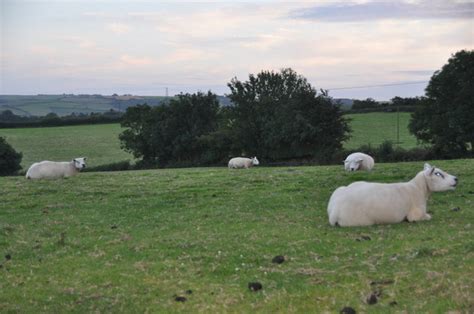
(10, 120)
(274, 115)
(408, 104)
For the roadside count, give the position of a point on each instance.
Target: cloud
(43, 50)
(136, 61)
(369, 11)
(184, 55)
(263, 42)
(94, 14)
(118, 28)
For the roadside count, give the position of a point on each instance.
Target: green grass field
(128, 242)
(101, 145)
(376, 127)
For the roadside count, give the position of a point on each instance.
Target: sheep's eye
(439, 174)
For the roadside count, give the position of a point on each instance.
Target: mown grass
(132, 241)
(376, 127)
(98, 142)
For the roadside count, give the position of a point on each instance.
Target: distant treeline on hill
(10, 120)
(68, 104)
(395, 104)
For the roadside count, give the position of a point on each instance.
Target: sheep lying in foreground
(358, 161)
(366, 203)
(55, 169)
(241, 162)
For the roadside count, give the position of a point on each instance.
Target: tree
(365, 104)
(407, 102)
(281, 116)
(446, 118)
(9, 159)
(170, 133)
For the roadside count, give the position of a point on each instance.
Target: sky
(354, 49)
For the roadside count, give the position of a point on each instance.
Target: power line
(379, 85)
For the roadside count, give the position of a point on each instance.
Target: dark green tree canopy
(169, 133)
(446, 118)
(9, 159)
(280, 116)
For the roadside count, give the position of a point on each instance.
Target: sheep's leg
(416, 214)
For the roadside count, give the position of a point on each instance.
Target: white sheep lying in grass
(358, 161)
(241, 162)
(55, 169)
(366, 203)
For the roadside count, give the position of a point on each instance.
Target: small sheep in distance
(367, 203)
(241, 162)
(358, 161)
(55, 169)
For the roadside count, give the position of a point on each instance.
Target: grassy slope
(374, 128)
(99, 143)
(130, 241)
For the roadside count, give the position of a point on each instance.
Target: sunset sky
(144, 47)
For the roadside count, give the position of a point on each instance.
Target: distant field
(99, 143)
(41, 105)
(134, 241)
(374, 128)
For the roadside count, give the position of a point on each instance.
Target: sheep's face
(80, 163)
(255, 161)
(438, 180)
(353, 164)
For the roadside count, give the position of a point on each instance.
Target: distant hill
(66, 104)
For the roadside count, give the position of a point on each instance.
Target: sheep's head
(352, 164)
(255, 161)
(438, 180)
(80, 163)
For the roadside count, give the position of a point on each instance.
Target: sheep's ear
(360, 159)
(85, 158)
(428, 169)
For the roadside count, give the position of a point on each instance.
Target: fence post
(398, 126)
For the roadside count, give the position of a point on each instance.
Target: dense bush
(9, 159)
(115, 166)
(385, 152)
